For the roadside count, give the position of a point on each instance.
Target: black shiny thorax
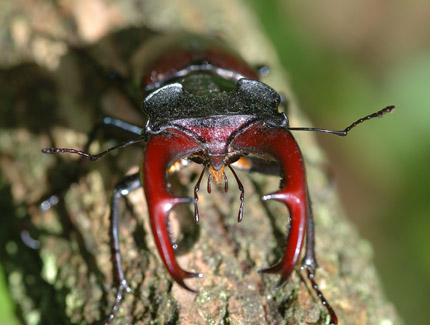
(206, 100)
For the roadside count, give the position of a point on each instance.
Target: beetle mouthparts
(217, 175)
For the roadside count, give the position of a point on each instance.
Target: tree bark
(53, 90)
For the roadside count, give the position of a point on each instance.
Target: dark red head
(215, 128)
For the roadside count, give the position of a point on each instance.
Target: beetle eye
(255, 92)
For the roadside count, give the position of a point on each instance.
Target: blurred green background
(347, 59)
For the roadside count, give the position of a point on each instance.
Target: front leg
(123, 188)
(309, 261)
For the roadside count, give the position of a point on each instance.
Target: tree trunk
(53, 91)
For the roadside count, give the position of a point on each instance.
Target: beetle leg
(161, 150)
(123, 188)
(309, 261)
(311, 277)
(279, 144)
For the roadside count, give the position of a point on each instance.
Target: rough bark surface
(52, 92)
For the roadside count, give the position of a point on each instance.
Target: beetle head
(213, 129)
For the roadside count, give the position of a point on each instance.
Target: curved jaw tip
(188, 275)
(273, 269)
(277, 268)
(194, 275)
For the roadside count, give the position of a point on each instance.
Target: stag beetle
(203, 103)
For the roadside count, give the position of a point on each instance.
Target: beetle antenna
(90, 156)
(209, 183)
(344, 132)
(196, 197)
